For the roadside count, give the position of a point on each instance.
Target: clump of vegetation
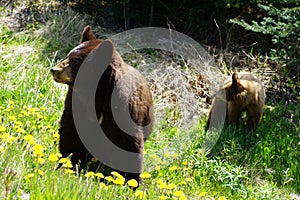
(284, 27)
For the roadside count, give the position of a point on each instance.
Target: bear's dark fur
(244, 92)
(140, 104)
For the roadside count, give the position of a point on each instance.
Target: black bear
(244, 92)
(140, 104)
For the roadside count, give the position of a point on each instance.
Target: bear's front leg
(234, 111)
(254, 115)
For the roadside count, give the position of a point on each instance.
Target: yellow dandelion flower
(67, 164)
(116, 174)
(182, 183)
(28, 137)
(162, 185)
(202, 194)
(109, 178)
(185, 163)
(53, 157)
(41, 95)
(20, 130)
(43, 108)
(41, 160)
(40, 172)
(31, 142)
(103, 186)
(7, 110)
(119, 181)
(18, 123)
(159, 181)
(89, 174)
(182, 198)
(188, 179)
(63, 160)
(2, 128)
(7, 138)
(163, 197)
(69, 171)
(222, 198)
(39, 116)
(167, 155)
(11, 102)
(38, 150)
(20, 115)
(33, 110)
(172, 168)
(12, 118)
(4, 136)
(132, 183)
(28, 177)
(145, 175)
(51, 130)
(11, 139)
(99, 175)
(140, 194)
(171, 186)
(178, 193)
(25, 113)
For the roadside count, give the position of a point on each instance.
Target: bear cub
(139, 103)
(244, 92)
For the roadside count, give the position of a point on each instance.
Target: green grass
(262, 165)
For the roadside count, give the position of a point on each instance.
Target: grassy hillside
(262, 165)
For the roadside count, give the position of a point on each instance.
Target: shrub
(284, 27)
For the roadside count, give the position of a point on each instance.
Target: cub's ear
(87, 34)
(235, 82)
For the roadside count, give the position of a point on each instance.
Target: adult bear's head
(66, 70)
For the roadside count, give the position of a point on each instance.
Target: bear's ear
(235, 82)
(87, 34)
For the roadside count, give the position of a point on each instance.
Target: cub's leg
(216, 114)
(254, 115)
(234, 112)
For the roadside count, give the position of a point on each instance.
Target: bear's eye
(77, 59)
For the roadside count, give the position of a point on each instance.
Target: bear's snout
(61, 75)
(55, 71)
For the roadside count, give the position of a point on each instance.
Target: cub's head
(237, 91)
(66, 70)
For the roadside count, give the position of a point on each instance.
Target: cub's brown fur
(244, 92)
